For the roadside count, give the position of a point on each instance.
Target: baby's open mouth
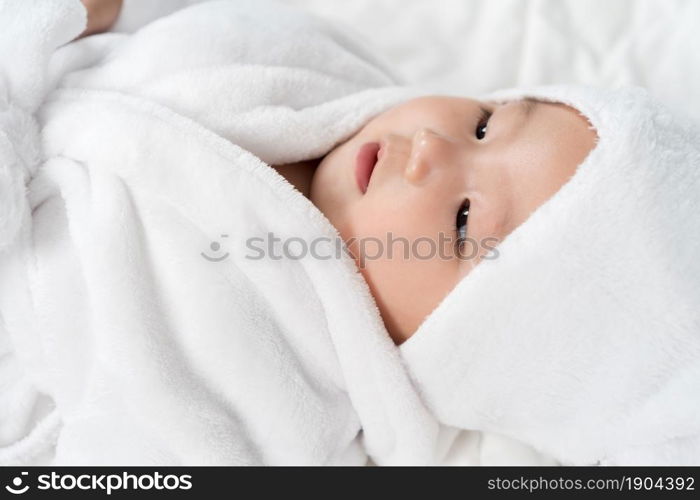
(364, 164)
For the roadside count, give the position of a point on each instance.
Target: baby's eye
(461, 223)
(483, 122)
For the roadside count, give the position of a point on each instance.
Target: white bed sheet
(473, 46)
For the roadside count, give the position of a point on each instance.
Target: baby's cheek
(396, 288)
(408, 290)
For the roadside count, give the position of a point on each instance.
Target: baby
(436, 170)
(452, 171)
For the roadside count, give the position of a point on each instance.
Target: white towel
(152, 149)
(582, 338)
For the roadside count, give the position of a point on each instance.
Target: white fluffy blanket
(582, 338)
(138, 153)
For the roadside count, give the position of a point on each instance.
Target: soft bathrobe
(582, 338)
(138, 322)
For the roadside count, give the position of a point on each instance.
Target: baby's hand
(101, 15)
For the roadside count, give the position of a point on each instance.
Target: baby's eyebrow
(526, 111)
(529, 107)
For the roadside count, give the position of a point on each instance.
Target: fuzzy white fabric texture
(145, 332)
(582, 338)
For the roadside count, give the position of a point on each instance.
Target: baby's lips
(365, 161)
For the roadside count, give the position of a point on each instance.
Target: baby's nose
(430, 152)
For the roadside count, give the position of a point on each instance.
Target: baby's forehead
(434, 103)
(442, 100)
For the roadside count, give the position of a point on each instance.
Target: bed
(469, 47)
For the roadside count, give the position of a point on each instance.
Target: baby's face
(447, 169)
